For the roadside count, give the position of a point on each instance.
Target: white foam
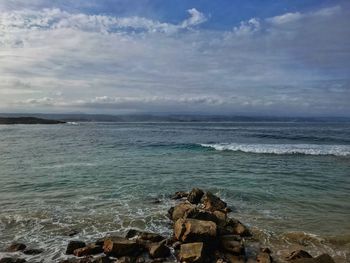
(307, 149)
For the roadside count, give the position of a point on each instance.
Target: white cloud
(52, 59)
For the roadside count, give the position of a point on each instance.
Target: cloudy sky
(285, 57)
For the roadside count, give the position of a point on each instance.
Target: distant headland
(27, 120)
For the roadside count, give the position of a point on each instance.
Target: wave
(305, 149)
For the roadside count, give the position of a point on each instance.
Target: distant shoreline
(27, 120)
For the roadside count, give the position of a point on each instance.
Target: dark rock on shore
(14, 247)
(73, 245)
(159, 250)
(88, 250)
(191, 252)
(324, 258)
(212, 203)
(32, 251)
(195, 196)
(193, 230)
(27, 120)
(298, 254)
(153, 237)
(179, 195)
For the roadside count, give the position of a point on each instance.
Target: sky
(236, 57)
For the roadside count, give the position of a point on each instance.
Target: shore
(203, 230)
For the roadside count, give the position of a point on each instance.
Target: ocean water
(289, 182)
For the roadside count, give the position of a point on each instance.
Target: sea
(289, 182)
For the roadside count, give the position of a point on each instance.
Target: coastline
(204, 229)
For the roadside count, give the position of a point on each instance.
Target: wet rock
(73, 245)
(298, 254)
(193, 230)
(103, 259)
(201, 215)
(232, 244)
(153, 237)
(191, 253)
(72, 232)
(181, 210)
(12, 260)
(14, 247)
(211, 202)
(235, 227)
(195, 196)
(179, 195)
(119, 247)
(88, 250)
(78, 260)
(32, 251)
(221, 217)
(263, 257)
(159, 250)
(140, 260)
(266, 250)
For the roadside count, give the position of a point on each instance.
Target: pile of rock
(202, 232)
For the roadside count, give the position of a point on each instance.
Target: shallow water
(290, 182)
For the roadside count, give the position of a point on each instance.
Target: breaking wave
(305, 149)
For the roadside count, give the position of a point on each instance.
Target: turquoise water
(290, 182)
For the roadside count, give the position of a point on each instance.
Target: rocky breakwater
(203, 232)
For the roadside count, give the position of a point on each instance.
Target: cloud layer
(291, 64)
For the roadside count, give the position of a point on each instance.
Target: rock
(32, 251)
(119, 247)
(179, 195)
(88, 250)
(234, 258)
(263, 257)
(153, 237)
(140, 260)
(103, 259)
(73, 245)
(191, 253)
(78, 260)
(298, 254)
(12, 260)
(232, 244)
(211, 202)
(72, 233)
(193, 230)
(195, 196)
(221, 217)
(14, 247)
(201, 215)
(159, 250)
(266, 250)
(181, 210)
(235, 227)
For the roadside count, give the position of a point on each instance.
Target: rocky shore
(203, 232)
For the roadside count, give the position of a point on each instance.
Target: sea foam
(306, 149)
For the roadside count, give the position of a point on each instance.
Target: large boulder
(211, 202)
(153, 237)
(88, 250)
(195, 196)
(119, 247)
(181, 210)
(232, 244)
(14, 247)
(193, 230)
(191, 253)
(73, 245)
(158, 250)
(234, 227)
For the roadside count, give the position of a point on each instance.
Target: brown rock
(263, 257)
(181, 210)
(119, 247)
(235, 227)
(179, 195)
(153, 237)
(14, 247)
(88, 250)
(200, 215)
(32, 251)
(232, 244)
(12, 260)
(211, 202)
(73, 245)
(191, 253)
(193, 230)
(266, 250)
(159, 250)
(195, 196)
(298, 254)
